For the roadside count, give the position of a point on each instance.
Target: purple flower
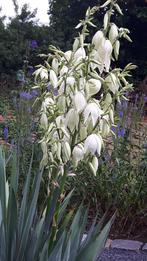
(113, 129)
(33, 44)
(121, 114)
(56, 92)
(49, 87)
(29, 110)
(6, 133)
(145, 98)
(121, 132)
(30, 71)
(34, 93)
(25, 95)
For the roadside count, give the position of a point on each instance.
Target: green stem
(55, 219)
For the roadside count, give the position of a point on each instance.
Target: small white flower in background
(93, 144)
(98, 39)
(93, 112)
(79, 101)
(72, 119)
(78, 152)
(53, 79)
(80, 54)
(93, 86)
(113, 33)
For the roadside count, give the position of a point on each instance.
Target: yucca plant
(26, 235)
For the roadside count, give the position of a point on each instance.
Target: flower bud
(79, 101)
(113, 33)
(78, 152)
(53, 79)
(44, 74)
(93, 86)
(68, 55)
(72, 120)
(66, 150)
(97, 39)
(55, 65)
(44, 121)
(80, 54)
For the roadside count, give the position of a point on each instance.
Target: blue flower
(33, 44)
(6, 133)
(30, 71)
(56, 92)
(49, 87)
(26, 95)
(113, 129)
(34, 93)
(121, 114)
(121, 132)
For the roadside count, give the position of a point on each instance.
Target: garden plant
(77, 93)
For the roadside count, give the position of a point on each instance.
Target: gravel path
(122, 255)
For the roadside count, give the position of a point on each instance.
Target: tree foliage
(64, 16)
(17, 36)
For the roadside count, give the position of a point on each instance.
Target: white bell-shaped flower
(92, 112)
(64, 70)
(93, 86)
(108, 51)
(53, 79)
(104, 55)
(79, 101)
(93, 144)
(55, 65)
(68, 55)
(72, 119)
(80, 54)
(66, 150)
(97, 39)
(78, 152)
(113, 33)
(44, 74)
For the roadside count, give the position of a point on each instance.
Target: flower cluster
(73, 120)
(26, 95)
